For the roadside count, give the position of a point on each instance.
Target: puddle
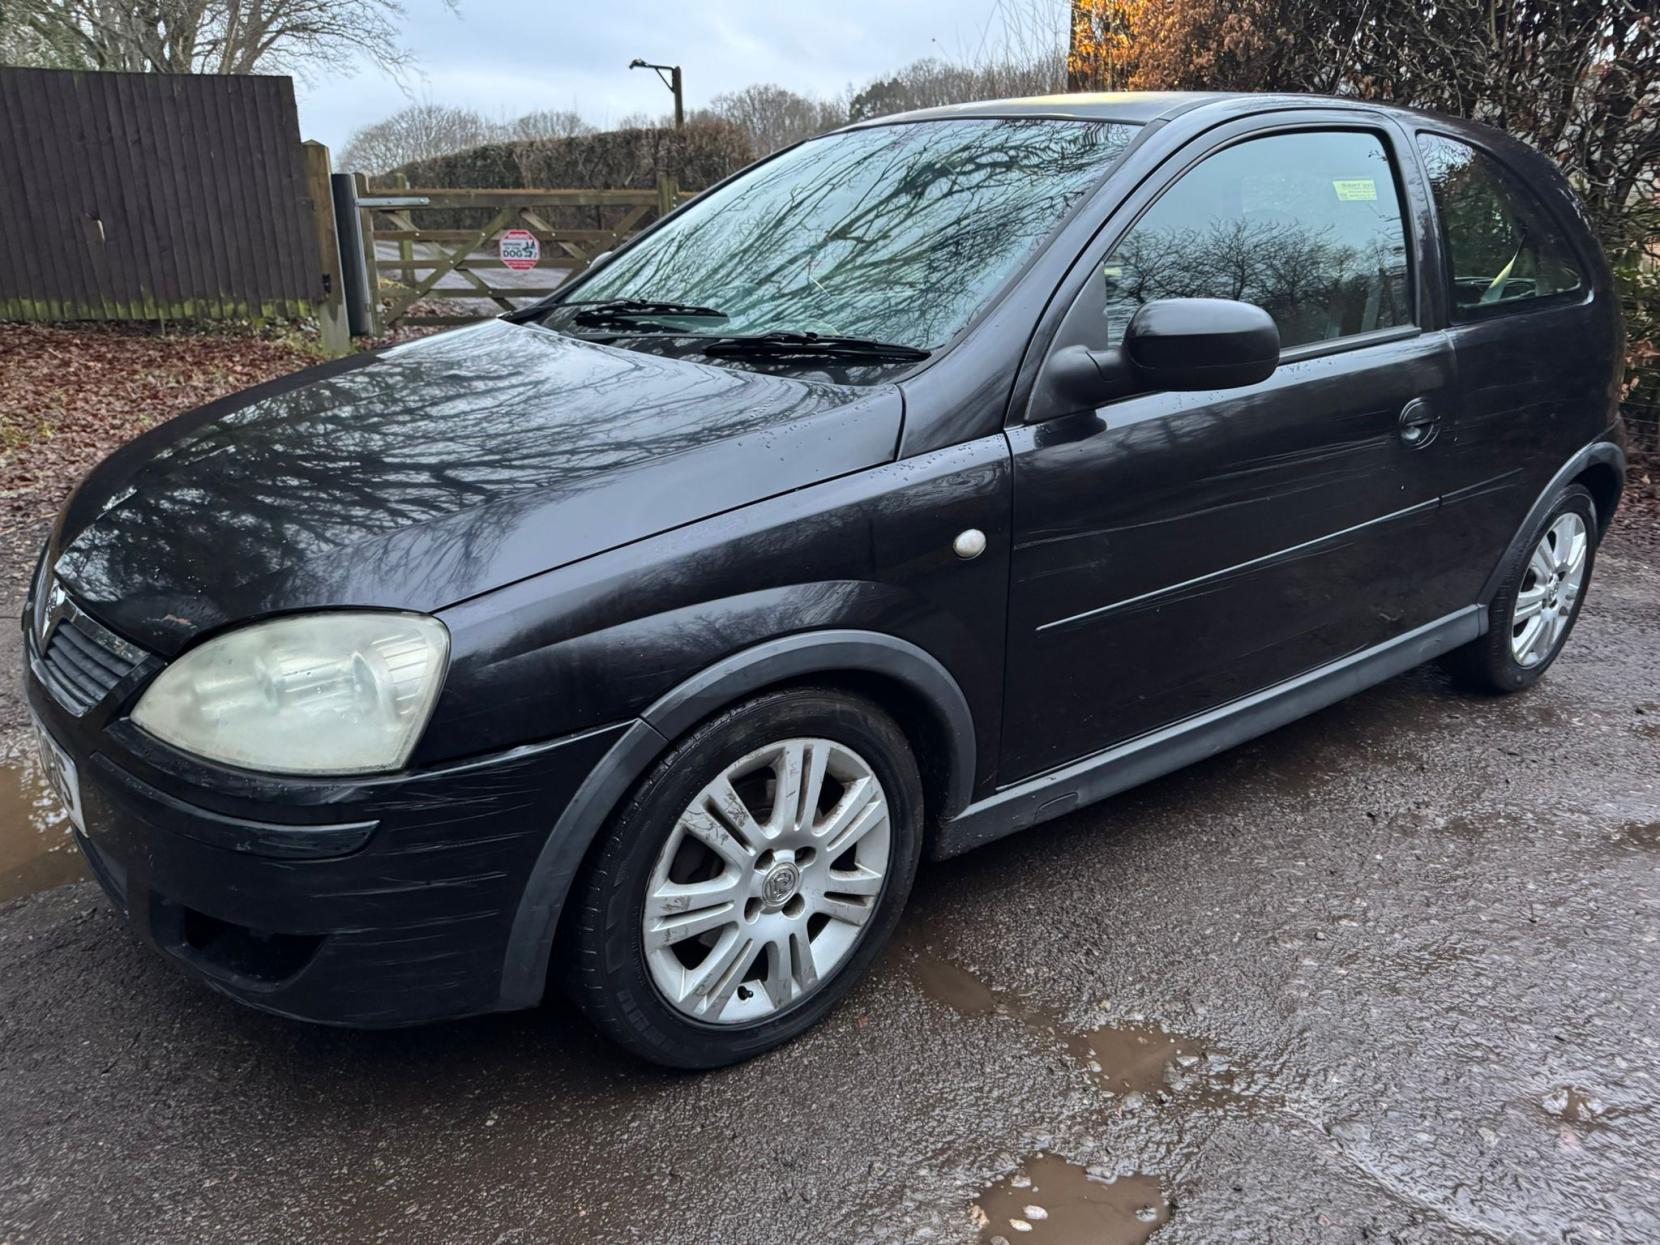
(1641, 834)
(1135, 1059)
(1050, 1201)
(1573, 1105)
(1130, 1062)
(956, 987)
(37, 847)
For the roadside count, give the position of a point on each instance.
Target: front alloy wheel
(748, 881)
(766, 881)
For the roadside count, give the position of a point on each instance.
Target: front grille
(84, 663)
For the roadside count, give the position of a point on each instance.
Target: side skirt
(1153, 755)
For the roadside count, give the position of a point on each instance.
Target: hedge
(704, 153)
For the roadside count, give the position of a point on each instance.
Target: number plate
(59, 770)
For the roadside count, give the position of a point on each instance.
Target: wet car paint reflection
(414, 479)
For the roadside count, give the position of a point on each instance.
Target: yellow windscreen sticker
(1355, 189)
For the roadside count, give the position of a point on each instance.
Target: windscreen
(899, 233)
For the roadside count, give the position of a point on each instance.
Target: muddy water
(956, 987)
(37, 846)
(1050, 1201)
(1129, 1061)
(1133, 1059)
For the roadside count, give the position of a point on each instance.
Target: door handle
(1418, 424)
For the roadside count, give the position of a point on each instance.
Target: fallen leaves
(71, 394)
(1637, 522)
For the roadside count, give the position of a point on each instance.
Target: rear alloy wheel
(1550, 588)
(749, 880)
(1537, 602)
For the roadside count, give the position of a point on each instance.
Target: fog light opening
(258, 955)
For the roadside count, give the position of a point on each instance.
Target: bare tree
(21, 44)
(548, 123)
(774, 116)
(204, 36)
(418, 132)
(642, 121)
(1022, 51)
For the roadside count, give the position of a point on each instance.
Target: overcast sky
(507, 57)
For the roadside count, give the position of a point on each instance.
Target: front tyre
(1537, 602)
(749, 880)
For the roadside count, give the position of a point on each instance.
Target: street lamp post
(672, 82)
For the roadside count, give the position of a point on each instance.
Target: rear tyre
(1537, 603)
(749, 880)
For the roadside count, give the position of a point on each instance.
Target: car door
(1175, 551)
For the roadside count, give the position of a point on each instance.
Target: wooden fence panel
(153, 197)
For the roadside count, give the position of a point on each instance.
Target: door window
(1308, 226)
(1501, 244)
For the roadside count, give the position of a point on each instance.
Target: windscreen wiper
(786, 345)
(630, 310)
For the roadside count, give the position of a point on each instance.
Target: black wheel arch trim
(824, 652)
(780, 660)
(1600, 452)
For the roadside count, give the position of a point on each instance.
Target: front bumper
(371, 902)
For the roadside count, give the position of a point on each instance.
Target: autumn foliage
(1103, 41)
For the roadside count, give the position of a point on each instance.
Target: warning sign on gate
(519, 249)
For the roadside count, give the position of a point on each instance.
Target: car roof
(1136, 106)
(1133, 107)
(1152, 107)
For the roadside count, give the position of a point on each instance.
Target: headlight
(324, 693)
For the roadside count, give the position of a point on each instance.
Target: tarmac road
(1388, 974)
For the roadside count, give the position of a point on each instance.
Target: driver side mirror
(1202, 343)
(1174, 344)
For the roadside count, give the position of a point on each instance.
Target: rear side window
(1501, 243)
(1307, 226)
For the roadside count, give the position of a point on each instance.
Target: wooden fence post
(331, 312)
(406, 248)
(666, 192)
(366, 222)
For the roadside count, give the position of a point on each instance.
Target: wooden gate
(427, 244)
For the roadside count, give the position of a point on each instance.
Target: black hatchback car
(919, 484)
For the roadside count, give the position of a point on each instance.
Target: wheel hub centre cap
(780, 884)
